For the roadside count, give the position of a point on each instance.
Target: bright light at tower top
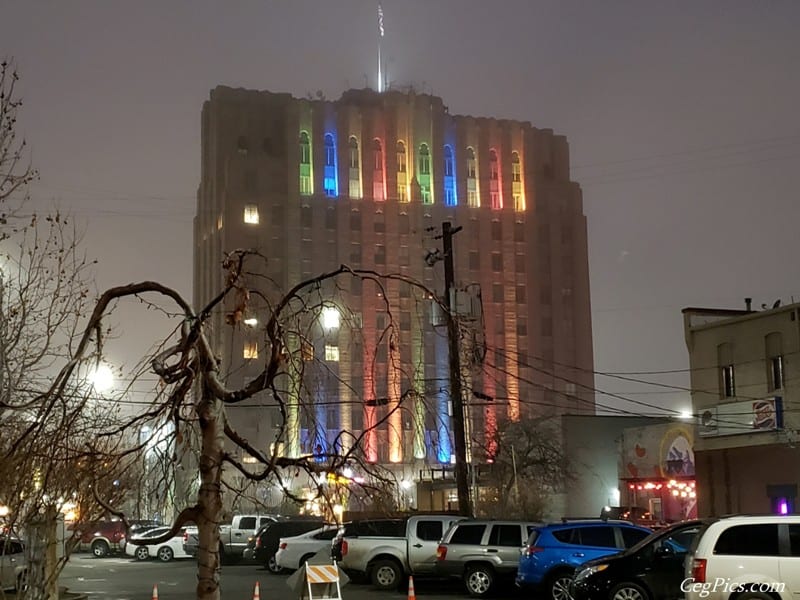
(102, 379)
(330, 317)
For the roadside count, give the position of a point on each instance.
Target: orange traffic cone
(412, 595)
(257, 592)
(155, 591)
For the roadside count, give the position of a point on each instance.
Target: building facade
(744, 369)
(367, 181)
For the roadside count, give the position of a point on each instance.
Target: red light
(631, 486)
(282, 546)
(258, 542)
(344, 548)
(441, 552)
(699, 570)
(531, 550)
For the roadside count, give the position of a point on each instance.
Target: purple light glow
(783, 507)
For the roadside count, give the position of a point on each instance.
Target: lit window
(402, 177)
(250, 350)
(251, 321)
(248, 459)
(516, 182)
(219, 222)
(306, 187)
(449, 178)
(495, 193)
(355, 170)
(377, 172)
(472, 179)
(330, 179)
(331, 353)
(251, 214)
(424, 174)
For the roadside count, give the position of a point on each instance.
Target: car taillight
(699, 570)
(531, 550)
(441, 552)
(185, 536)
(282, 546)
(258, 542)
(344, 547)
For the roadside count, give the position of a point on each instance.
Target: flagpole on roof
(380, 37)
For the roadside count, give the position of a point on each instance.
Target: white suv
(746, 558)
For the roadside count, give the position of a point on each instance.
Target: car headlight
(587, 571)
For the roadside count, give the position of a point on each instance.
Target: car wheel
(479, 580)
(558, 585)
(100, 548)
(142, 553)
(22, 582)
(272, 566)
(385, 574)
(629, 591)
(165, 554)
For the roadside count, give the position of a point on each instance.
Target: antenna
(380, 37)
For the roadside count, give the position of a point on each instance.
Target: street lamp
(102, 379)
(330, 317)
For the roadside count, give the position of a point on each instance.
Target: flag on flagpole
(380, 19)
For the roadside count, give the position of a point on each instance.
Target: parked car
(107, 537)
(554, 551)
(746, 557)
(165, 551)
(651, 570)
(233, 537)
(13, 564)
(264, 545)
(293, 552)
(388, 550)
(482, 553)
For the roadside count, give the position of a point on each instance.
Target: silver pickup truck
(388, 550)
(232, 537)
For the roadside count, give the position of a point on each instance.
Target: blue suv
(554, 551)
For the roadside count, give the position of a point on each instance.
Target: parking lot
(119, 578)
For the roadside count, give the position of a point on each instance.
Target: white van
(746, 557)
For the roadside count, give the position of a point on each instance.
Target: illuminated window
(251, 214)
(355, 169)
(250, 350)
(377, 171)
(472, 179)
(402, 175)
(424, 174)
(449, 177)
(516, 182)
(306, 179)
(495, 192)
(219, 221)
(330, 178)
(331, 353)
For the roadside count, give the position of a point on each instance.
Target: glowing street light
(330, 317)
(102, 379)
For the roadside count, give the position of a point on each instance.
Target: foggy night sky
(682, 119)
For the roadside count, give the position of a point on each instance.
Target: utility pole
(456, 395)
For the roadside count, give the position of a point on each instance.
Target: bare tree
(527, 467)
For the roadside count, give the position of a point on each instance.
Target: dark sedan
(650, 570)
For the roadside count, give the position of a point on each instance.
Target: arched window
(516, 182)
(424, 160)
(378, 189)
(402, 175)
(355, 167)
(330, 182)
(495, 191)
(449, 177)
(306, 179)
(472, 178)
(424, 174)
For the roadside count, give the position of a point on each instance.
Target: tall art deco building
(367, 181)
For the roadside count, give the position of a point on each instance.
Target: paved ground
(125, 579)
